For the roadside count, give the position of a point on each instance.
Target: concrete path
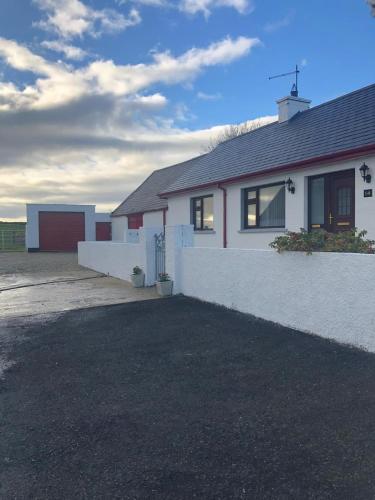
(53, 282)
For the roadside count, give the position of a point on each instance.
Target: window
(203, 213)
(264, 206)
(135, 221)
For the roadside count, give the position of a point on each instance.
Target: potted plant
(164, 285)
(138, 277)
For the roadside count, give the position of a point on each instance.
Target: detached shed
(59, 228)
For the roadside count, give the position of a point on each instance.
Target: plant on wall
(352, 241)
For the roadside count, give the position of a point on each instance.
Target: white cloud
(72, 18)
(153, 3)
(196, 6)
(209, 97)
(92, 134)
(62, 83)
(206, 6)
(21, 58)
(285, 21)
(70, 51)
(90, 158)
(166, 68)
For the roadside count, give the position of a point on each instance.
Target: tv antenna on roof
(294, 91)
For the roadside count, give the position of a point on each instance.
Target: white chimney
(291, 105)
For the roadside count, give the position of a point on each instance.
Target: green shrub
(352, 241)
(164, 277)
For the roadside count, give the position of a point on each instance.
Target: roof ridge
(299, 114)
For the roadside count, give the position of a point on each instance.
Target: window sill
(205, 231)
(264, 230)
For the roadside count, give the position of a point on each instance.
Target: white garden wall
(118, 259)
(107, 257)
(327, 294)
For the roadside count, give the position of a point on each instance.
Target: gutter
(343, 155)
(225, 239)
(139, 213)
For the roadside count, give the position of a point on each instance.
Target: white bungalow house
(313, 168)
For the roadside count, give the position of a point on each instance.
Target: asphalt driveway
(178, 399)
(33, 283)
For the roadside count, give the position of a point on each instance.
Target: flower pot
(164, 288)
(138, 280)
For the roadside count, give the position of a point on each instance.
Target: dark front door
(342, 196)
(332, 201)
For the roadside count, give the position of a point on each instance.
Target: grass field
(12, 236)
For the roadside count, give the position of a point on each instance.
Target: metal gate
(159, 254)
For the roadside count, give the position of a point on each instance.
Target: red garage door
(61, 231)
(103, 231)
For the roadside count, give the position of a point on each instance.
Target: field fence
(12, 240)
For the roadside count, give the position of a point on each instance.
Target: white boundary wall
(118, 259)
(328, 294)
(114, 259)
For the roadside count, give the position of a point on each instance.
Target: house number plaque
(367, 193)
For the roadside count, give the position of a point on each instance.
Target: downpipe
(225, 240)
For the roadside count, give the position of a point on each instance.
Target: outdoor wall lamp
(290, 186)
(366, 176)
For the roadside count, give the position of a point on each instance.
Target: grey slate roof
(145, 198)
(336, 126)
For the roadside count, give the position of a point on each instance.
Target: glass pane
(344, 199)
(251, 215)
(272, 206)
(198, 220)
(208, 213)
(197, 203)
(317, 200)
(251, 195)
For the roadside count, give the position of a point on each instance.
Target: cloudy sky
(95, 94)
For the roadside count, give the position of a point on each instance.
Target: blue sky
(146, 83)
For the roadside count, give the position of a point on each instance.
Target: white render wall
(152, 219)
(296, 212)
(120, 224)
(118, 259)
(119, 228)
(113, 258)
(328, 294)
(32, 226)
(179, 212)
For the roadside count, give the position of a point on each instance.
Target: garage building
(59, 228)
